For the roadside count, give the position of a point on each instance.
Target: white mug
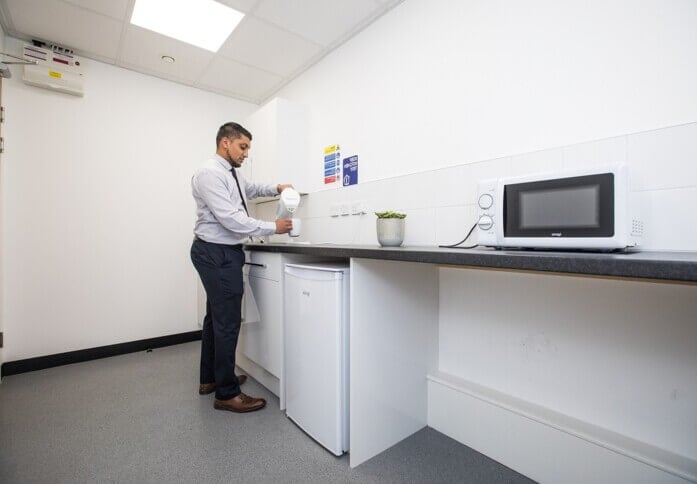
(297, 224)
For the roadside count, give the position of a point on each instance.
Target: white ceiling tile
(240, 5)
(276, 40)
(144, 48)
(67, 25)
(263, 45)
(238, 79)
(117, 9)
(321, 21)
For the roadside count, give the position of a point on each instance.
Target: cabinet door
(294, 163)
(279, 151)
(263, 154)
(261, 340)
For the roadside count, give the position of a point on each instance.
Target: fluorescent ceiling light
(203, 23)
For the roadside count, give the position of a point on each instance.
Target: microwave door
(575, 207)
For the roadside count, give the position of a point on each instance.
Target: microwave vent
(637, 228)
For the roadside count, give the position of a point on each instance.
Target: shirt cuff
(269, 228)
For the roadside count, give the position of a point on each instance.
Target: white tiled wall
(664, 159)
(602, 152)
(440, 204)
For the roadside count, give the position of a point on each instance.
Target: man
(222, 226)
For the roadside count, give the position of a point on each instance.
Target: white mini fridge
(316, 361)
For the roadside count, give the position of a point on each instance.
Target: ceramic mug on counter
(297, 225)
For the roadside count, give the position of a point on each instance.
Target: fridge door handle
(313, 274)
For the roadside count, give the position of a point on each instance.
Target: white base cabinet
(261, 339)
(260, 346)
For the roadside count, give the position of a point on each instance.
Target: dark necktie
(239, 190)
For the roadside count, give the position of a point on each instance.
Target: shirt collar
(222, 161)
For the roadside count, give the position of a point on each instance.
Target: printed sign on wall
(332, 164)
(350, 170)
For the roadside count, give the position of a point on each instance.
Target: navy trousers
(220, 269)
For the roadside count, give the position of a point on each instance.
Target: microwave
(577, 210)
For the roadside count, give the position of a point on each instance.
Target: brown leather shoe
(206, 388)
(241, 404)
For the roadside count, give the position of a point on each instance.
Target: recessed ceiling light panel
(203, 23)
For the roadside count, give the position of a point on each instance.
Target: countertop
(664, 266)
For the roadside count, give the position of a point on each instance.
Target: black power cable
(455, 246)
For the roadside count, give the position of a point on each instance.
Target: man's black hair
(232, 131)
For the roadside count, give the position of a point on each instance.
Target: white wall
(616, 354)
(440, 204)
(460, 90)
(97, 211)
(435, 84)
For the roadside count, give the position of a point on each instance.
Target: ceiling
(276, 41)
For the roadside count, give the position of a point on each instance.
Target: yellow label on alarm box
(55, 74)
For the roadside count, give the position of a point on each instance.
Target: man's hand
(283, 225)
(280, 187)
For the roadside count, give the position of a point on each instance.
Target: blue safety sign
(332, 165)
(350, 170)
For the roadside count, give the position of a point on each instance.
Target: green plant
(390, 214)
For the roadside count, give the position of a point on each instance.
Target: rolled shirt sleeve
(254, 190)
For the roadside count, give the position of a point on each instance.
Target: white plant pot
(390, 231)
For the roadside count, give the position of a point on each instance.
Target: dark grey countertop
(667, 266)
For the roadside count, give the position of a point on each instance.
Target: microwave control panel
(486, 209)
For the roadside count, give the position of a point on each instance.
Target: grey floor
(138, 418)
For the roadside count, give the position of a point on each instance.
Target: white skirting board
(258, 373)
(545, 445)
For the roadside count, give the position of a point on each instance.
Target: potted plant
(390, 228)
